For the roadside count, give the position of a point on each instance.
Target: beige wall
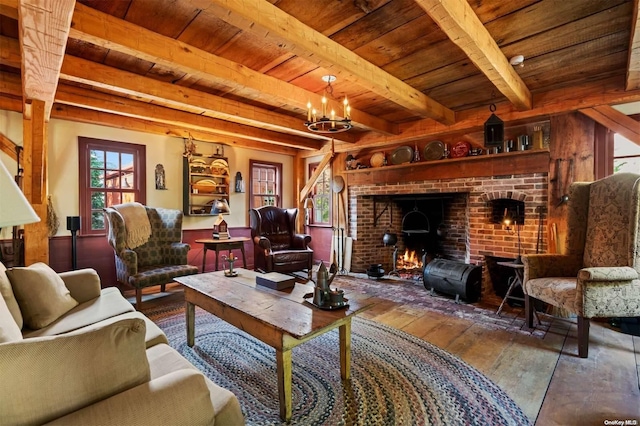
(165, 150)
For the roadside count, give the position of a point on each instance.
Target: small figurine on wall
(160, 179)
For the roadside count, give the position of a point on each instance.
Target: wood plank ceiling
(243, 71)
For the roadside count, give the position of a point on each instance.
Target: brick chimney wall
(470, 235)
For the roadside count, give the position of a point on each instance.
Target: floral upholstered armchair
(158, 260)
(598, 277)
(277, 246)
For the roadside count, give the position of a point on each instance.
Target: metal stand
(394, 271)
(74, 257)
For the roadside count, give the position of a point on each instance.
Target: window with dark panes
(321, 193)
(266, 184)
(110, 173)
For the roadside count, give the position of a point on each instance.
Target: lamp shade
(14, 209)
(308, 203)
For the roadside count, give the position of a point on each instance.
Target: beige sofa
(99, 362)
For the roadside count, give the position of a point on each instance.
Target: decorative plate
(219, 163)
(403, 154)
(205, 186)
(377, 159)
(434, 151)
(460, 149)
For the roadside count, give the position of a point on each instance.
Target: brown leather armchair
(278, 248)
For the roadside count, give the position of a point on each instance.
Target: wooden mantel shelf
(508, 163)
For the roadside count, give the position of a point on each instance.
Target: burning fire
(410, 260)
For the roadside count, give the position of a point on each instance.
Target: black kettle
(389, 238)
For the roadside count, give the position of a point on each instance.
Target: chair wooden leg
(583, 337)
(162, 287)
(528, 310)
(138, 298)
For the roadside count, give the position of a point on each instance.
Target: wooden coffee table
(281, 319)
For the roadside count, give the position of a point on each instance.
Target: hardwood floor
(545, 377)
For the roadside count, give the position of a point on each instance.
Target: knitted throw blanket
(136, 224)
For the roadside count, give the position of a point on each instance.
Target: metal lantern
(493, 129)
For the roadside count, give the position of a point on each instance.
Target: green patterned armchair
(162, 258)
(598, 277)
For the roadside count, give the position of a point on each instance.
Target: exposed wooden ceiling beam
(182, 98)
(44, 28)
(104, 30)
(559, 101)
(95, 100)
(633, 64)
(9, 8)
(265, 19)
(82, 115)
(98, 101)
(459, 22)
(10, 52)
(615, 121)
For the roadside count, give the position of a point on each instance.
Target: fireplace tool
(391, 239)
(394, 272)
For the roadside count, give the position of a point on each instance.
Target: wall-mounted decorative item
(189, 147)
(493, 129)
(239, 182)
(160, 177)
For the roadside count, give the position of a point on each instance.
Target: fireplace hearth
(460, 220)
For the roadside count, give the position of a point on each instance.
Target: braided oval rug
(396, 379)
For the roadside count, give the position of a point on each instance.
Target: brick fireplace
(462, 208)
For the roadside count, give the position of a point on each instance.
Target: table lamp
(308, 205)
(14, 209)
(220, 230)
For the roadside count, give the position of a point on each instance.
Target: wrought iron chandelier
(328, 123)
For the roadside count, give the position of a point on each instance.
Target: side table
(228, 244)
(515, 281)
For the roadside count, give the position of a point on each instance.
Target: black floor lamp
(73, 225)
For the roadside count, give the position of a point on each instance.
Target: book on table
(275, 280)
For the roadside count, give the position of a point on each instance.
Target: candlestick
(324, 106)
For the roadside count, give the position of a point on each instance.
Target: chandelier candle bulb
(333, 118)
(324, 106)
(348, 117)
(345, 104)
(309, 111)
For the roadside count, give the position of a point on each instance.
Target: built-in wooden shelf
(508, 163)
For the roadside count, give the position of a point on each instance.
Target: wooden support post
(299, 174)
(36, 235)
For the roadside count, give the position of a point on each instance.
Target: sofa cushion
(41, 294)
(163, 359)
(153, 336)
(108, 305)
(48, 377)
(179, 398)
(9, 330)
(9, 297)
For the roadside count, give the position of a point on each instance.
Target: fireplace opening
(502, 208)
(418, 238)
